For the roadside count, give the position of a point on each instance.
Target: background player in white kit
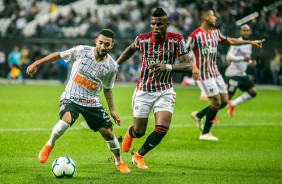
(236, 77)
(93, 69)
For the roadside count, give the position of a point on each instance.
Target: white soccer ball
(63, 167)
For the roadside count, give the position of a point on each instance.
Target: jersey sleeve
(70, 55)
(231, 55)
(221, 36)
(190, 43)
(110, 80)
(137, 42)
(182, 47)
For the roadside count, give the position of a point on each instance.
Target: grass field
(249, 149)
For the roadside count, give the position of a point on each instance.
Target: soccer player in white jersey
(236, 77)
(93, 70)
(203, 41)
(154, 88)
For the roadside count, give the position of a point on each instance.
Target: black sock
(202, 113)
(222, 105)
(211, 113)
(153, 139)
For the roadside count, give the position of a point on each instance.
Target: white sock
(58, 130)
(114, 147)
(240, 99)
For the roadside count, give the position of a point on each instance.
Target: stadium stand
(42, 22)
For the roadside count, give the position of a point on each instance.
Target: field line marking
(149, 126)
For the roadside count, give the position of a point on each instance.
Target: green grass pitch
(249, 149)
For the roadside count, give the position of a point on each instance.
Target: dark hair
(159, 12)
(204, 12)
(108, 33)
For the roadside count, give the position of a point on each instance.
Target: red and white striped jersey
(88, 76)
(166, 53)
(204, 46)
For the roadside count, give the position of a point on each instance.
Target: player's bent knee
(134, 133)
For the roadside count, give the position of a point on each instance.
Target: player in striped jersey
(154, 88)
(93, 70)
(203, 43)
(236, 77)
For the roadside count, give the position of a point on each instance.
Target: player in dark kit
(154, 88)
(203, 43)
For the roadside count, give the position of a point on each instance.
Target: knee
(135, 133)
(223, 104)
(253, 94)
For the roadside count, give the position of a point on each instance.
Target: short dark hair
(205, 11)
(108, 33)
(159, 12)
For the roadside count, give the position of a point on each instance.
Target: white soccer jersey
(87, 76)
(235, 56)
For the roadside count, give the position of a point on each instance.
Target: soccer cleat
(122, 167)
(127, 141)
(44, 153)
(208, 137)
(230, 109)
(139, 161)
(216, 121)
(197, 120)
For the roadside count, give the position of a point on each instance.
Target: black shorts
(95, 117)
(243, 83)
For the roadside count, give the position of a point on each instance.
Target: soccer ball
(63, 167)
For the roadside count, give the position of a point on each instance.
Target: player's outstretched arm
(32, 68)
(109, 98)
(235, 41)
(126, 54)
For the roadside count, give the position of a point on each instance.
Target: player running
(204, 41)
(236, 77)
(93, 70)
(154, 88)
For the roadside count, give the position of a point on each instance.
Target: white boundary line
(150, 126)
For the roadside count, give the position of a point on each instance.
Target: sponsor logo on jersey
(85, 82)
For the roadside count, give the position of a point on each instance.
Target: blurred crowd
(129, 18)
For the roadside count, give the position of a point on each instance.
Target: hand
(258, 43)
(247, 58)
(116, 117)
(253, 63)
(157, 68)
(195, 72)
(31, 70)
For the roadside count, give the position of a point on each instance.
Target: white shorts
(143, 102)
(212, 86)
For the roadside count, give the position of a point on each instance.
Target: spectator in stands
(2, 62)
(14, 63)
(63, 67)
(24, 60)
(275, 66)
(259, 70)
